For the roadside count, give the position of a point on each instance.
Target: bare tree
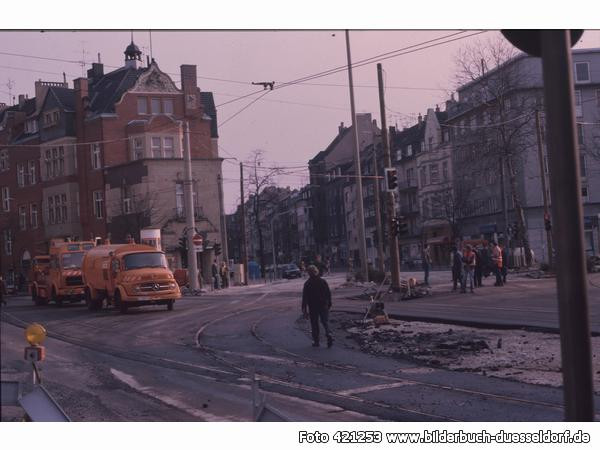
(144, 210)
(497, 92)
(260, 179)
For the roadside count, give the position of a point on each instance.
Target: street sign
(197, 240)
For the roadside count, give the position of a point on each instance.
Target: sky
(290, 124)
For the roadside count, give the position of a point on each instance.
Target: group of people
(473, 263)
(220, 275)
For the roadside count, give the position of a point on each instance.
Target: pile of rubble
(513, 354)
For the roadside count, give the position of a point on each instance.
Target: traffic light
(547, 222)
(217, 249)
(402, 226)
(391, 179)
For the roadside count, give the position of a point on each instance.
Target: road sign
(198, 241)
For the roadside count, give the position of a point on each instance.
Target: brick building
(106, 159)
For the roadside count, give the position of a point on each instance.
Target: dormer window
(142, 105)
(31, 126)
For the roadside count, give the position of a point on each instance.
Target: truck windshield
(143, 260)
(72, 260)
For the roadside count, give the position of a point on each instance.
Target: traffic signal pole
(538, 132)
(380, 254)
(389, 196)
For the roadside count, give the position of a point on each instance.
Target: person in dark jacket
(457, 267)
(316, 302)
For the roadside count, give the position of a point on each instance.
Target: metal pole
(567, 212)
(380, 254)
(224, 243)
(244, 249)
(362, 245)
(538, 130)
(189, 212)
(389, 196)
(273, 244)
(504, 204)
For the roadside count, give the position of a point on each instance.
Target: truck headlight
(172, 285)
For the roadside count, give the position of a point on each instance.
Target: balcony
(407, 184)
(179, 214)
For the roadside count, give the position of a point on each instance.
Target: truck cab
(128, 275)
(57, 277)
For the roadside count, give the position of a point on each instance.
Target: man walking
(2, 291)
(457, 264)
(469, 265)
(316, 302)
(497, 262)
(426, 263)
(504, 271)
(215, 274)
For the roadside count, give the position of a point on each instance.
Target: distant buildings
(106, 159)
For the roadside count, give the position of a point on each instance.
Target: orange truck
(128, 275)
(57, 277)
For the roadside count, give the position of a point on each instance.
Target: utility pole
(189, 212)
(362, 245)
(389, 196)
(224, 243)
(243, 220)
(380, 254)
(567, 212)
(504, 203)
(538, 128)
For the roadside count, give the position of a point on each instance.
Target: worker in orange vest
(497, 260)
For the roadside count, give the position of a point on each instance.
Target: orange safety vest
(497, 256)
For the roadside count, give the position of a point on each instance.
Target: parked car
(290, 271)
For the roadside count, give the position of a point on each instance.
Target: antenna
(83, 53)
(151, 58)
(10, 84)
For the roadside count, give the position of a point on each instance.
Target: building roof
(109, 89)
(322, 154)
(208, 103)
(65, 97)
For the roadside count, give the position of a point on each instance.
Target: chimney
(81, 95)
(420, 119)
(96, 72)
(437, 108)
(189, 86)
(21, 101)
(41, 89)
(341, 127)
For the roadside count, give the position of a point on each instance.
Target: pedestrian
(426, 262)
(457, 268)
(316, 303)
(224, 272)
(479, 266)
(469, 267)
(215, 274)
(2, 291)
(302, 268)
(504, 250)
(497, 263)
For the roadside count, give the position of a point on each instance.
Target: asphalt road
(197, 362)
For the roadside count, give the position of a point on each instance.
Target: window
(582, 72)
(99, 204)
(31, 126)
(142, 105)
(55, 171)
(5, 199)
(445, 170)
(422, 146)
(169, 147)
(96, 156)
(32, 178)
(434, 174)
(48, 163)
(4, 160)
(138, 148)
(57, 209)
(20, 175)
(168, 106)
(409, 150)
(398, 155)
(578, 109)
(423, 176)
(582, 168)
(51, 217)
(410, 176)
(126, 193)
(155, 105)
(8, 242)
(22, 218)
(61, 160)
(580, 137)
(430, 143)
(584, 191)
(156, 149)
(33, 215)
(63, 207)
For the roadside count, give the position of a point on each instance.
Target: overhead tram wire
(243, 109)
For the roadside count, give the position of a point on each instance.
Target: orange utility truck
(57, 277)
(128, 275)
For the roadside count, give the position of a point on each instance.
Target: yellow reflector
(35, 334)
